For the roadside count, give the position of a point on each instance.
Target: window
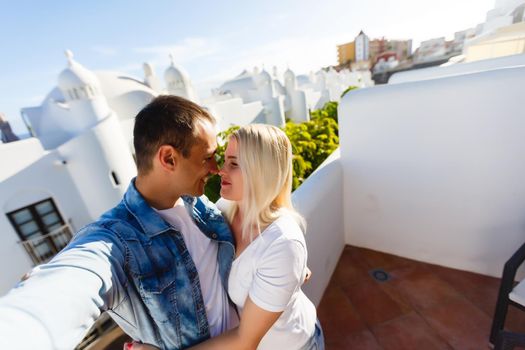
(41, 229)
(115, 179)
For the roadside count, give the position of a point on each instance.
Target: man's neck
(154, 192)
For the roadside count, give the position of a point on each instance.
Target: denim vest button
(214, 236)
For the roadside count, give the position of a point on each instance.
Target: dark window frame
(38, 219)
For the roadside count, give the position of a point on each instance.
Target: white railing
(41, 249)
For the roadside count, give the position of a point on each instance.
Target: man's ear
(168, 157)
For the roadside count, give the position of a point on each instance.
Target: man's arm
(58, 303)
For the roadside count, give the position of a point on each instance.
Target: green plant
(329, 110)
(313, 141)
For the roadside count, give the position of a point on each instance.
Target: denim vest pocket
(155, 284)
(159, 294)
(153, 267)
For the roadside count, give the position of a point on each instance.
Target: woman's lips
(225, 183)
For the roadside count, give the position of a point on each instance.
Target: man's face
(193, 172)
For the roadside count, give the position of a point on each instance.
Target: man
(158, 262)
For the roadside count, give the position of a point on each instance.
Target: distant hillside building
(402, 48)
(362, 52)
(6, 134)
(346, 53)
(502, 33)
(431, 50)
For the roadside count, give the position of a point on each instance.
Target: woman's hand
(308, 275)
(255, 322)
(139, 346)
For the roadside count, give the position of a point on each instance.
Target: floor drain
(380, 275)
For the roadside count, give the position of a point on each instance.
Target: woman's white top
(271, 271)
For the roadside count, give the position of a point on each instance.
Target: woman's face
(231, 176)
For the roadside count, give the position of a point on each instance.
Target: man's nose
(214, 169)
(222, 170)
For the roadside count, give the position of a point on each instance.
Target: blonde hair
(265, 160)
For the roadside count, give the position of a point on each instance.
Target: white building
(502, 33)
(361, 47)
(431, 50)
(260, 97)
(78, 165)
(178, 82)
(504, 13)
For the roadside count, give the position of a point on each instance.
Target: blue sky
(212, 40)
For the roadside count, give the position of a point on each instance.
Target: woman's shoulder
(286, 229)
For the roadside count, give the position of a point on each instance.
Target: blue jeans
(317, 340)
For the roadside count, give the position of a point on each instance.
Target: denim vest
(155, 294)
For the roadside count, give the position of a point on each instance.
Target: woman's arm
(254, 324)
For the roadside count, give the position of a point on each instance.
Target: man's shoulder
(116, 223)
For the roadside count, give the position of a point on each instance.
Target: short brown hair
(167, 120)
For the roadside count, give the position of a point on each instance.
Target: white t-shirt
(221, 315)
(271, 271)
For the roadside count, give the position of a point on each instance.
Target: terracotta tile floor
(421, 306)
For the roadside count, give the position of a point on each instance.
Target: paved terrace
(421, 306)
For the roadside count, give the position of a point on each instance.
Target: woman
(270, 264)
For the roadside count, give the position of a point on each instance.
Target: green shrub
(313, 141)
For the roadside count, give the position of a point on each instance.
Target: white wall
(15, 156)
(234, 112)
(44, 178)
(457, 69)
(434, 170)
(91, 157)
(77, 176)
(319, 199)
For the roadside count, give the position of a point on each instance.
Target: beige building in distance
(505, 41)
(346, 53)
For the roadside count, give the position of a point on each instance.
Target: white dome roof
(237, 85)
(175, 73)
(75, 75)
(289, 74)
(125, 94)
(265, 75)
